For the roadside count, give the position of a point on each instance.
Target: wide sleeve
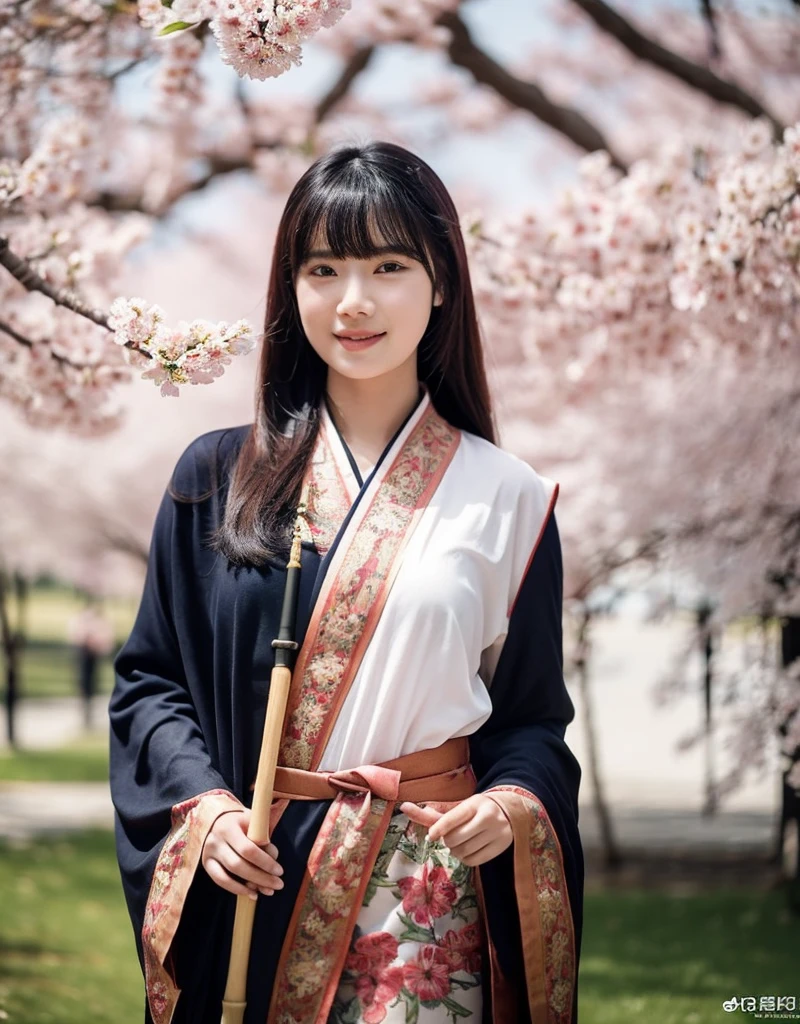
(533, 891)
(166, 791)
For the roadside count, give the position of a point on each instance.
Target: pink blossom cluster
(258, 38)
(177, 84)
(374, 22)
(191, 353)
(60, 166)
(68, 373)
(690, 252)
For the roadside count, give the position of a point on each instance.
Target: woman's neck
(368, 413)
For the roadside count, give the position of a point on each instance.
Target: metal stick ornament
(234, 1001)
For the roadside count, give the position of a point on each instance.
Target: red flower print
(427, 897)
(375, 991)
(463, 948)
(372, 952)
(428, 976)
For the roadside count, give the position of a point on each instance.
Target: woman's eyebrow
(327, 254)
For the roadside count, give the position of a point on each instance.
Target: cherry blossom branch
(695, 75)
(710, 18)
(132, 202)
(22, 340)
(352, 69)
(778, 208)
(526, 95)
(23, 272)
(219, 166)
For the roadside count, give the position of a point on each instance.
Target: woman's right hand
(235, 862)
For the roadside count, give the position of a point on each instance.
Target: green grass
(83, 761)
(67, 954)
(670, 959)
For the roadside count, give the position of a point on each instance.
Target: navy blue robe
(187, 714)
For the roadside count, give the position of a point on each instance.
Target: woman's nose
(355, 299)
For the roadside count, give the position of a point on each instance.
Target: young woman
(425, 863)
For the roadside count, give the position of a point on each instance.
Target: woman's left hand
(475, 831)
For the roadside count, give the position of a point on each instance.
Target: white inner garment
(425, 675)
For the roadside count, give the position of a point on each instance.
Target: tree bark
(706, 643)
(13, 639)
(694, 75)
(786, 851)
(611, 854)
(525, 95)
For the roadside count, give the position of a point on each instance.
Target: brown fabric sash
(439, 773)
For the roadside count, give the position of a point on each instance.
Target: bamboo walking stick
(234, 1001)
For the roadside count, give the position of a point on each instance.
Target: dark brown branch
(710, 18)
(355, 65)
(22, 340)
(694, 75)
(23, 272)
(28, 278)
(523, 94)
(219, 166)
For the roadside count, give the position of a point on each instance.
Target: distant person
(93, 637)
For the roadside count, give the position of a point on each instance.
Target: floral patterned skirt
(415, 953)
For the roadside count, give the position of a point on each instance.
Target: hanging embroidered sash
(346, 613)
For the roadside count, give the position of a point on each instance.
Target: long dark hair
(342, 194)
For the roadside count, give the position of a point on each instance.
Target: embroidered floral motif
(429, 896)
(555, 919)
(175, 868)
(415, 954)
(326, 497)
(329, 658)
(322, 921)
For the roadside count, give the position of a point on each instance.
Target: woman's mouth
(357, 344)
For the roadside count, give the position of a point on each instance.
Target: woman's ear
(437, 298)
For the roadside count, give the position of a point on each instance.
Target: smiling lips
(355, 341)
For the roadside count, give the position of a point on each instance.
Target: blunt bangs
(356, 212)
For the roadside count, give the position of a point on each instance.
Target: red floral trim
(341, 630)
(327, 499)
(548, 937)
(174, 871)
(316, 944)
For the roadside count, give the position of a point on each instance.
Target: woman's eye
(324, 266)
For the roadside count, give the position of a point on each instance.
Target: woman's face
(389, 295)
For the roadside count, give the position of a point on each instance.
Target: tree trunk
(787, 847)
(706, 642)
(13, 637)
(612, 857)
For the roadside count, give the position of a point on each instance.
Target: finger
(463, 834)
(218, 874)
(420, 815)
(452, 819)
(471, 845)
(480, 856)
(249, 872)
(256, 854)
(489, 852)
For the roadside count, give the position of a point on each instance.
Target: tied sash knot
(383, 783)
